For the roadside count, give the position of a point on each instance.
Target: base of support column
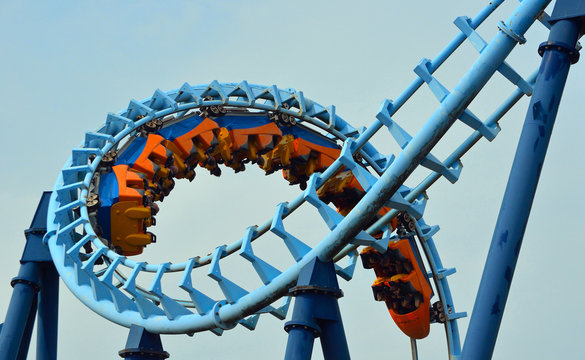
(143, 345)
(316, 314)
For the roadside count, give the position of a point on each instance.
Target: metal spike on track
(202, 302)
(171, 308)
(231, 290)
(145, 306)
(265, 271)
(297, 248)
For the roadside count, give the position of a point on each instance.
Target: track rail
(121, 299)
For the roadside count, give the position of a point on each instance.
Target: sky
(65, 65)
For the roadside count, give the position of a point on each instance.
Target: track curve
(70, 229)
(75, 185)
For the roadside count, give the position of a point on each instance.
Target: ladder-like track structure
(110, 283)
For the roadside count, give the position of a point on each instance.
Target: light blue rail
(123, 300)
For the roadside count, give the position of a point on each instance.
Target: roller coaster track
(108, 282)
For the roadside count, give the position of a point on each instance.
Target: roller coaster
(93, 229)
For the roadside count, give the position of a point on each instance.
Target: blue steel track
(123, 301)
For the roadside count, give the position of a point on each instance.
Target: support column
(143, 345)
(37, 273)
(30, 323)
(316, 314)
(26, 287)
(557, 55)
(48, 313)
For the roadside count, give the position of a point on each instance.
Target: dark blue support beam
(143, 345)
(24, 295)
(333, 341)
(301, 337)
(48, 313)
(35, 288)
(25, 342)
(316, 314)
(557, 55)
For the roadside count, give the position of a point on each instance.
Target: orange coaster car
(402, 284)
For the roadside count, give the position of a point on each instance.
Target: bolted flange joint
(152, 354)
(562, 47)
(308, 326)
(218, 322)
(18, 280)
(316, 290)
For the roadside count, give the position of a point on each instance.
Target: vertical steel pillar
(557, 55)
(30, 323)
(48, 312)
(316, 313)
(35, 288)
(143, 345)
(26, 287)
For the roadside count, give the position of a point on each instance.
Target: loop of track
(167, 315)
(76, 181)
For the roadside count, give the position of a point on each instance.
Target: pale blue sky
(65, 65)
